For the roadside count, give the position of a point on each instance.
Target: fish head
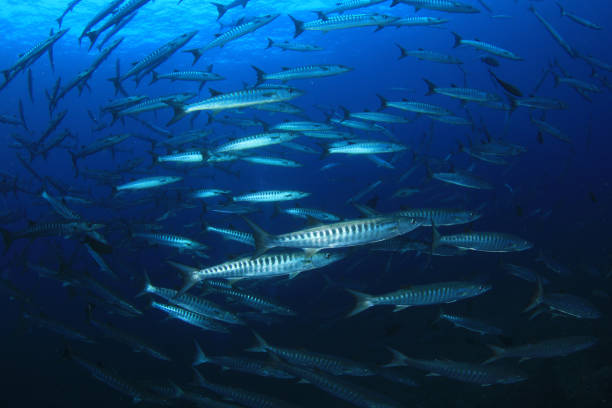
(407, 224)
(321, 259)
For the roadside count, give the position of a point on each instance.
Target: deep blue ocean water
(556, 195)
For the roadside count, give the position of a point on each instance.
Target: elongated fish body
(449, 6)
(554, 33)
(324, 362)
(209, 192)
(357, 396)
(471, 324)
(578, 84)
(115, 382)
(244, 98)
(183, 157)
(357, 124)
(100, 16)
(148, 182)
(155, 103)
(416, 107)
(465, 94)
(133, 342)
(279, 264)
(379, 117)
(118, 15)
(62, 229)
(57, 327)
(327, 134)
(243, 397)
(261, 303)
(544, 349)
(60, 207)
(485, 242)
(306, 213)
(539, 103)
(158, 56)
(366, 147)
(189, 317)
(423, 295)
(427, 55)
(346, 5)
(255, 141)
(232, 34)
(486, 47)
(289, 46)
(280, 107)
(577, 19)
(463, 179)
(301, 127)
(233, 235)
(571, 305)
(271, 161)
(99, 145)
(171, 240)
(193, 303)
(524, 273)
(243, 364)
(269, 196)
(465, 372)
(194, 76)
(440, 216)
(309, 71)
(596, 62)
(418, 21)
(337, 235)
(546, 127)
(452, 120)
(341, 22)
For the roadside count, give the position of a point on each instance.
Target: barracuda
(155, 103)
(192, 303)
(233, 235)
(486, 47)
(232, 34)
(119, 14)
(287, 46)
(148, 182)
(253, 301)
(416, 107)
(309, 71)
(423, 295)
(463, 179)
(427, 55)
(307, 213)
(342, 22)
(234, 100)
(209, 192)
(301, 127)
(279, 264)
(189, 317)
(364, 147)
(345, 5)
(336, 235)
(255, 141)
(271, 161)
(269, 196)
(171, 240)
(62, 229)
(194, 76)
(482, 241)
(379, 117)
(543, 349)
(465, 372)
(449, 6)
(465, 94)
(182, 157)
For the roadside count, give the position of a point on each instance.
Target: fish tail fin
(74, 158)
(383, 102)
(93, 36)
(363, 301)
(537, 296)
(188, 276)
(196, 54)
(179, 112)
(8, 237)
(398, 360)
(154, 77)
(117, 84)
(299, 26)
(146, 286)
(221, 9)
(22, 116)
(261, 347)
(403, 52)
(431, 87)
(270, 43)
(458, 39)
(261, 76)
(498, 353)
(59, 21)
(262, 238)
(200, 357)
(561, 9)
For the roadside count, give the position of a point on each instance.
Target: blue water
(556, 195)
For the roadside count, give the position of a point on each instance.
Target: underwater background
(554, 193)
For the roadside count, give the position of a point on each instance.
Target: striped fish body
(343, 21)
(30, 56)
(271, 161)
(487, 47)
(329, 364)
(260, 303)
(471, 324)
(449, 6)
(327, 134)
(209, 192)
(239, 31)
(171, 240)
(426, 55)
(194, 304)
(148, 182)
(346, 5)
(379, 117)
(255, 141)
(247, 365)
(154, 104)
(486, 242)
(356, 124)
(244, 98)
(269, 196)
(545, 349)
(301, 127)
(196, 76)
(183, 157)
(419, 107)
(571, 305)
(452, 120)
(418, 21)
(311, 213)
(467, 94)
(440, 216)
(189, 317)
(310, 71)
(463, 179)
(367, 148)
(233, 235)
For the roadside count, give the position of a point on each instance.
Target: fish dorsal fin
(214, 92)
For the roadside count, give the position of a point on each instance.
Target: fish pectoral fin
(311, 251)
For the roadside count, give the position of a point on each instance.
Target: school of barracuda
(226, 294)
